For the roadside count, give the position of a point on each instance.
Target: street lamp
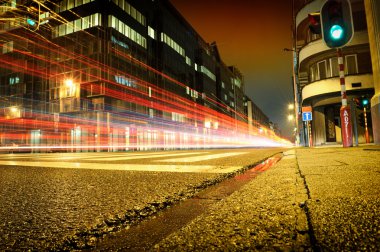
(69, 83)
(290, 118)
(70, 88)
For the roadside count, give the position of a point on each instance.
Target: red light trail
(176, 122)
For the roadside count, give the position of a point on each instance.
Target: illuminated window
(188, 61)
(130, 10)
(14, 80)
(8, 47)
(208, 73)
(69, 4)
(127, 31)
(223, 86)
(237, 82)
(177, 117)
(77, 25)
(171, 43)
(151, 32)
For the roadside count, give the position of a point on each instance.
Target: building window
(351, 64)
(151, 32)
(171, 43)
(334, 68)
(77, 25)
(8, 47)
(177, 117)
(322, 69)
(127, 31)
(208, 73)
(314, 73)
(188, 61)
(14, 80)
(131, 11)
(69, 4)
(223, 85)
(237, 82)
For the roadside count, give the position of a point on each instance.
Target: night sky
(251, 35)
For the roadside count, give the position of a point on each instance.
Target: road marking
(126, 167)
(91, 156)
(100, 157)
(201, 158)
(142, 156)
(290, 154)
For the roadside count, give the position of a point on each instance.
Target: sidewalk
(318, 199)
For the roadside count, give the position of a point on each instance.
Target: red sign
(307, 109)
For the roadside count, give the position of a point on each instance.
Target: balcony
(319, 46)
(332, 85)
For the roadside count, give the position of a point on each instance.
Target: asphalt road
(67, 201)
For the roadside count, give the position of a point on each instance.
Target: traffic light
(362, 102)
(315, 23)
(30, 23)
(337, 26)
(365, 102)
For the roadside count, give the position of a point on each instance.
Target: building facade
(91, 75)
(317, 76)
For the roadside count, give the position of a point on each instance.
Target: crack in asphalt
(313, 240)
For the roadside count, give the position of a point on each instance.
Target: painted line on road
(104, 156)
(201, 158)
(126, 167)
(143, 156)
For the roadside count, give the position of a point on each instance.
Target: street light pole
(295, 76)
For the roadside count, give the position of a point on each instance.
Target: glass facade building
(115, 75)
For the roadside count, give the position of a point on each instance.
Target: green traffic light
(31, 22)
(365, 102)
(336, 32)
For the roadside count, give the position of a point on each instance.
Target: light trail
(115, 127)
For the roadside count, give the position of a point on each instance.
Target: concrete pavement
(312, 200)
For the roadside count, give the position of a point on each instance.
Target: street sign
(307, 116)
(307, 109)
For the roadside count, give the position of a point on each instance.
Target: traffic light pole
(366, 125)
(345, 112)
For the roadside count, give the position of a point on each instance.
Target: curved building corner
(318, 76)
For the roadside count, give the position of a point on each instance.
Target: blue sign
(307, 116)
